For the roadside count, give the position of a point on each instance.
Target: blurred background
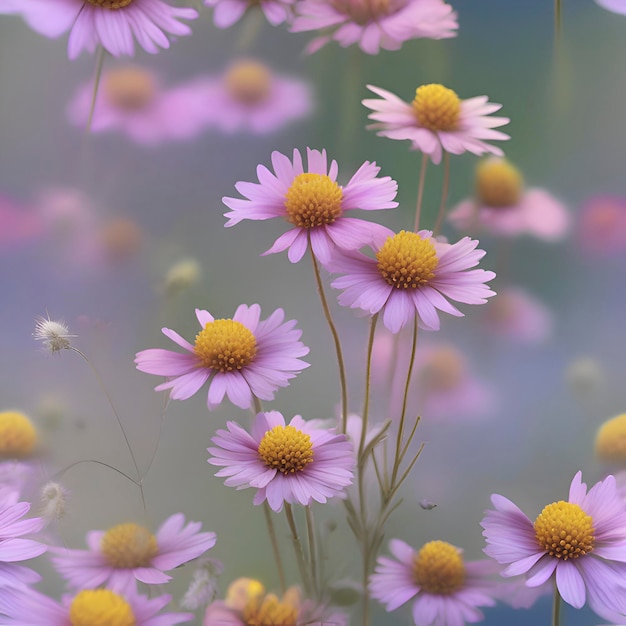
(149, 208)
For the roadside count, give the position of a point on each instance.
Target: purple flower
(314, 204)
(130, 99)
(580, 543)
(412, 274)
(249, 97)
(375, 24)
(90, 606)
(285, 463)
(129, 552)
(227, 12)
(112, 24)
(615, 6)
(446, 591)
(241, 357)
(437, 120)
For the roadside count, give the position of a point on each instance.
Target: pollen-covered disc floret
(18, 435)
(363, 11)
(564, 530)
(286, 449)
(112, 5)
(248, 82)
(100, 607)
(261, 610)
(438, 568)
(128, 546)
(498, 183)
(128, 88)
(313, 200)
(407, 260)
(225, 345)
(437, 107)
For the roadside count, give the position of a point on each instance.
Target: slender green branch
(297, 547)
(444, 193)
(556, 607)
(310, 527)
(111, 467)
(420, 192)
(368, 375)
(277, 558)
(96, 84)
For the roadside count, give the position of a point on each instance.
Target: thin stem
(119, 421)
(297, 547)
(272, 533)
(557, 21)
(96, 85)
(335, 334)
(444, 193)
(556, 607)
(166, 403)
(310, 528)
(405, 397)
(366, 591)
(258, 407)
(368, 375)
(72, 465)
(420, 192)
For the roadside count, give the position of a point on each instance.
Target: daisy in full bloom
(249, 96)
(247, 603)
(581, 544)
(129, 552)
(119, 607)
(445, 589)
(412, 274)
(112, 24)
(503, 207)
(314, 204)
(227, 12)
(132, 100)
(437, 120)
(375, 24)
(241, 357)
(293, 462)
(12, 547)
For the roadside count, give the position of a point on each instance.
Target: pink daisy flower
(132, 100)
(291, 463)
(241, 357)
(412, 274)
(249, 97)
(112, 24)
(580, 543)
(437, 120)
(375, 24)
(503, 207)
(18, 225)
(227, 12)
(89, 606)
(314, 203)
(615, 6)
(602, 226)
(129, 552)
(446, 590)
(12, 547)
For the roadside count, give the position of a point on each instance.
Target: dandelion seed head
(54, 335)
(182, 275)
(203, 588)
(53, 501)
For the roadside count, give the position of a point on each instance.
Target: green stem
(368, 375)
(444, 193)
(420, 192)
(310, 527)
(556, 607)
(557, 21)
(335, 334)
(258, 407)
(272, 533)
(96, 85)
(297, 547)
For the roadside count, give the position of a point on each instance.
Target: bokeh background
(566, 108)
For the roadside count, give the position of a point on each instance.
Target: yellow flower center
(17, 434)
(225, 345)
(437, 107)
(110, 4)
(611, 440)
(286, 449)
(313, 200)
(564, 530)
(363, 11)
(249, 82)
(128, 88)
(268, 610)
(438, 568)
(444, 370)
(127, 546)
(100, 607)
(498, 183)
(407, 261)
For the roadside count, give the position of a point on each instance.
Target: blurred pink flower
(132, 100)
(503, 207)
(602, 226)
(249, 97)
(227, 12)
(519, 316)
(436, 120)
(18, 225)
(616, 6)
(374, 24)
(112, 24)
